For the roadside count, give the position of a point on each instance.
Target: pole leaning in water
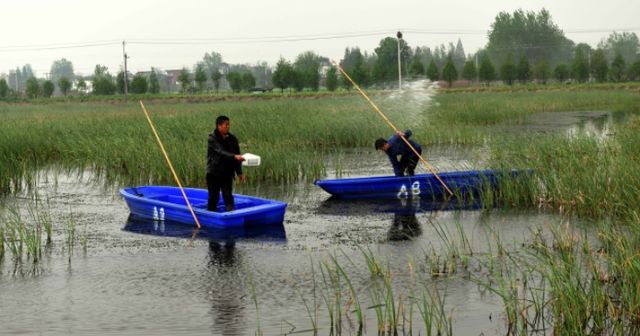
(175, 176)
(393, 127)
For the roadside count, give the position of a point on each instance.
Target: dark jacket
(220, 155)
(399, 147)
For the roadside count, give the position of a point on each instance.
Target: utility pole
(399, 35)
(124, 53)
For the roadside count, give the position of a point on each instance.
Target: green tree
(561, 72)
(283, 75)
(469, 71)
(59, 69)
(541, 71)
(580, 66)
(307, 66)
(82, 86)
(4, 88)
(216, 76)
(634, 71)
(386, 65)
(65, 85)
(103, 81)
(459, 57)
(200, 77)
(32, 87)
(120, 82)
(297, 83)
(523, 70)
(331, 81)
(47, 88)
(139, 84)
(432, 71)
(508, 71)
(528, 33)
(185, 80)
(625, 44)
(212, 62)
(449, 72)
(487, 71)
(154, 83)
(235, 81)
(416, 68)
(618, 68)
(599, 66)
(248, 81)
(354, 64)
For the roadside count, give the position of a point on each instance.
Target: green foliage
(353, 63)
(47, 88)
(416, 68)
(154, 83)
(103, 81)
(633, 73)
(185, 80)
(386, 65)
(625, 44)
(531, 34)
(469, 71)
(449, 72)
(432, 71)
(618, 68)
(307, 66)
(542, 71)
(284, 74)
(200, 77)
(235, 81)
(508, 71)
(487, 71)
(139, 84)
(120, 78)
(4, 88)
(523, 70)
(61, 68)
(561, 72)
(599, 66)
(33, 88)
(65, 85)
(216, 76)
(331, 81)
(248, 81)
(580, 66)
(82, 85)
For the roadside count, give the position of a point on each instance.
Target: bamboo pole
(175, 176)
(375, 107)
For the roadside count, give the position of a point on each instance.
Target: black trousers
(216, 184)
(409, 163)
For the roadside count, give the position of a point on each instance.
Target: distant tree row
(522, 46)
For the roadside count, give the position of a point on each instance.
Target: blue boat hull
(424, 186)
(167, 203)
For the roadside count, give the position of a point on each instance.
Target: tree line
(523, 46)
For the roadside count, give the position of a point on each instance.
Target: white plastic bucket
(251, 160)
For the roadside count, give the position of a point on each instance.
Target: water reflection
(227, 237)
(337, 206)
(405, 225)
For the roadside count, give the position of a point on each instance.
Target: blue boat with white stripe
(167, 203)
(425, 186)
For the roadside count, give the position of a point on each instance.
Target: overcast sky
(35, 31)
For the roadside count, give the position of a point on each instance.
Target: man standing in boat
(396, 146)
(223, 163)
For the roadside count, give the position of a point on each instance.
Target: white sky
(38, 23)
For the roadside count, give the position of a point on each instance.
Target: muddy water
(149, 278)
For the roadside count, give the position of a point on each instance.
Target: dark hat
(380, 142)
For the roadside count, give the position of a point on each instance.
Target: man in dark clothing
(223, 163)
(394, 147)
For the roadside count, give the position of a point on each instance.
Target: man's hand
(238, 157)
(242, 178)
(400, 133)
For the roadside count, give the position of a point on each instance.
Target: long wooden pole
(375, 107)
(175, 176)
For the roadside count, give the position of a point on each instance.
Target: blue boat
(167, 203)
(424, 186)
